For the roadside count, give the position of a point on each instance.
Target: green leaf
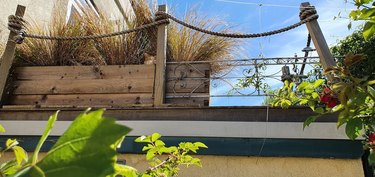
(200, 145)
(159, 143)
(337, 108)
(285, 104)
(372, 82)
(10, 143)
(10, 167)
(52, 119)
(302, 86)
(2, 129)
(311, 105)
(318, 83)
(20, 154)
(353, 128)
(371, 91)
(303, 101)
(319, 110)
(315, 95)
(150, 154)
(155, 136)
(143, 139)
(342, 119)
(84, 150)
(368, 30)
(125, 171)
(310, 120)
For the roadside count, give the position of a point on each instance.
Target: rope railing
(17, 25)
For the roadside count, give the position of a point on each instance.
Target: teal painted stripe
(236, 146)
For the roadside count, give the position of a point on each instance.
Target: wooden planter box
(107, 86)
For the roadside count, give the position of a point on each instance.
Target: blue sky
(253, 16)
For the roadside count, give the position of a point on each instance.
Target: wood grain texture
(118, 100)
(326, 58)
(85, 72)
(8, 56)
(42, 87)
(161, 58)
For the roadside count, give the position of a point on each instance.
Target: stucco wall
(39, 11)
(239, 166)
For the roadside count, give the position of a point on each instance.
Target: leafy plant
(365, 11)
(352, 97)
(88, 148)
(356, 44)
(176, 156)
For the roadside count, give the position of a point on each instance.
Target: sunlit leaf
(2, 129)
(155, 136)
(125, 171)
(84, 150)
(20, 154)
(368, 30)
(200, 145)
(318, 83)
(52, 119)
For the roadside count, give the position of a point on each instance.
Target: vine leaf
(353, 128)
(86, 149)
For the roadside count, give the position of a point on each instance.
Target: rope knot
(16, 25)
(159, 16)
(307, 12)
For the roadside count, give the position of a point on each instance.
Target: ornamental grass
(183, 44)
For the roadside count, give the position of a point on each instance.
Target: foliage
(253, 79)
(183, 44)
(365, 11)
(352, 97)
(186, 44)
(176, 156)
(356, 43)
(57, 53)
(88, 148)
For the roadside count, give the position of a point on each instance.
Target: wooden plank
(8, 56)
(42, 87)
(188, 85)
(201, 70)
(161, 58)
(83, 99)
(85, 72)
(326, 58)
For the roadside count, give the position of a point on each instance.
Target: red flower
(327, 91)
(371, 137)
(324, 98)
(332, 102)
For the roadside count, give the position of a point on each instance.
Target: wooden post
(161, 59)
(326, 58)
(8, 56)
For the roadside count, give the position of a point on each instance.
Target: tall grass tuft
(124, 49)
(183, 44)
(189, 45)
(36, 52)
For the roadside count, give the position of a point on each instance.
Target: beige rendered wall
(39, 11)
(238, 166)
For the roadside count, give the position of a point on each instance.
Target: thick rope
(306, 15)
(16, 25)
